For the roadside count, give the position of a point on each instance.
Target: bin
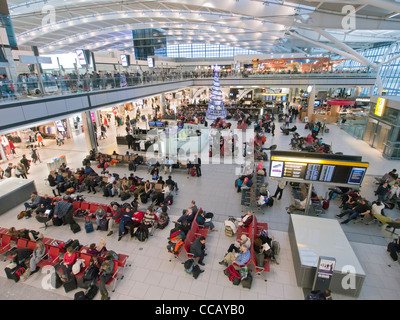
(63, 160)
(57, 162)
(51, 166)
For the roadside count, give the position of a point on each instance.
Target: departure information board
(310, 167)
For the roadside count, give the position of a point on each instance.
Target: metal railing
(391, 150)
(31, 86)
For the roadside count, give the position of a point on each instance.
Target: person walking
(279, 189)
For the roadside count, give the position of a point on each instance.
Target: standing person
(197, 164)
(273, 129)
(12, 147)
(279, 189)
(20, 171)
(8, 170)
(64, 210)
(35, 154)
(106, 273)
(39, 139)
(26, 163)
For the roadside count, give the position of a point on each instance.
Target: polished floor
(153, 276)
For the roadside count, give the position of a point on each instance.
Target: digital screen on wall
(125, 60)
(150, 62)
(60, 126)
(81, 57)
(323, 168)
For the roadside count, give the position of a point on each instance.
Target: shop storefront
(383, 128)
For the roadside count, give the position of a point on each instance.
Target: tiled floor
(152, 276)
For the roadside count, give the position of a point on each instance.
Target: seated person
(37, 255)
(135, 222)
(360, 209)
(239, 258)
(175, 244)
(44, 203)
(192, 206)
(202, 221)
(297, 206)
(100, 214)
(244, 240)
(32, 204)
(246, 220)
(149, 219)
(173, 185)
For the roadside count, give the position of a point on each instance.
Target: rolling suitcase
(75, 227)
(103, 225)
(70, 284)
(246, 282)
(88, 225)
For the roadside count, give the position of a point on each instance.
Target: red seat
(85, 205)
(5, 243)
(31, 245)
(77, 205)
(52, 257)
(190, 237)
(22, 243)
(86, 257)
(93, 207)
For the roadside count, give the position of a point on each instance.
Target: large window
(390, 73)
(202, 50)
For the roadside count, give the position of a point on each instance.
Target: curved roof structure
(276, 26)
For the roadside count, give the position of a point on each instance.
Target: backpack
(196, 271)
(142, 234)
(276, 248)
(163, 221)
(188, 265)
(75, 227)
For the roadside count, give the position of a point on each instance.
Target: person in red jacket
(137, 218)
(68, 262)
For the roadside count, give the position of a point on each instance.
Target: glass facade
(146, 41)
(202, 50)
(390, 73)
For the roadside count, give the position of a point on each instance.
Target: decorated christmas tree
(216, 108)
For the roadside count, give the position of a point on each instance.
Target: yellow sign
(321, 161)
(380, 106)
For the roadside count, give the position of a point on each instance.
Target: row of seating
(253, 231)
(54, 252)
(195, 232)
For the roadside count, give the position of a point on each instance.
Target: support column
(90, 134)
(311, 100)
(162, 104)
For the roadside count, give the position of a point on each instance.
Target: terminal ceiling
(306, 26)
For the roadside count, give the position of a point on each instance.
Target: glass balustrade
(29, 87)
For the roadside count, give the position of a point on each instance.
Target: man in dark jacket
(65, 211)
(198, 248)
(21, 255)
(382, 191)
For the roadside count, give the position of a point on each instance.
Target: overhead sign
(81, 57)
(380, 107)
(34, 59)
(306, 167)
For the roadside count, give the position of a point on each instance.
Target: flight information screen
(318, 170)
